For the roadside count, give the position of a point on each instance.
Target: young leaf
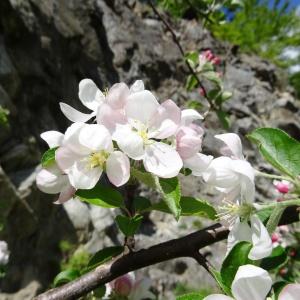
(129, 226)
(279, 149)
(191, 296)
(101, 195)
(191, 82)
(223, 118)
(103, 256)
(237, 257)
(275, 260)
(66, 276)
(99, 292)
(143, 177)
(141, 204)
(171, 192)
(214, 77)
(48, 157)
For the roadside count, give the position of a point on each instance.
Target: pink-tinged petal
(65, 195)
(233, 145)
(129, 142)
(118, 168)
(109, 117)
(137, 86)
(217, 297)
(81, 176)
(162, 160)
(95, 137)
(141, 106)
(188, 142)
(251, 282)
(51, 180)
(73, 114)
(90, 95)
(165, 121)
(189, 115)
(290, 292)
(141, 290)
(65, 158)
(261, 240)
(52, 138)
(239, 232)
(198, 163)
(117, 95)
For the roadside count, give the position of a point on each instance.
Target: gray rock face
(46, 48)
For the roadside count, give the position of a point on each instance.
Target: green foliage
(141, 204)
(279, 149)
(66, 276)
(191, 296)
(171, 192)
(277, 258)
(76, 261)
(48, 157)
(237, 257)
(101, 195)
(4, 116)
(190, 207)
(129, 226)
(144, 177)
(103, 256)
(182, 290)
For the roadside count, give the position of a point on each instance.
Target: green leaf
(194, 104)
(277, 258)
(144, 177)
(104, 256)
(223, 117)
(264, 214)
(226, 96)
(237, 257)
(191, 82)
(66, 276)
(100, 291)
(213, 77)
(218, 278)
(192, 57)
(191, 296)
(48, 157)
(190, 207)
(171, 192)
(278, 286)
(101, 195)
(127, 225)
(279, 149)
(274, 219)
(141, 204)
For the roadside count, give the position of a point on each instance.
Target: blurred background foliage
(268, 28)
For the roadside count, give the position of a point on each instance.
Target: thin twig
(176, 41)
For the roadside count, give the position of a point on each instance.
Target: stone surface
(46, 48)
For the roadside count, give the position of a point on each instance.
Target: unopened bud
(275, 237)
(122, 286)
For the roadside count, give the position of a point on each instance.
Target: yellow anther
(98, 159)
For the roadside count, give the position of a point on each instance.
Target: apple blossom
(250, 283)
(290, 292)
(87, 150)
(4, 253)
(148, 123)
(51, 179)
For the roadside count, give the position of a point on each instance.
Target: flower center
(98, 159)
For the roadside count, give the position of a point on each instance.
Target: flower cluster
(129, 123)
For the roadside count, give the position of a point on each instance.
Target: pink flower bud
(123, 285)
(275, 238)
(208, 55)
(216, 60)
(282, 188)
(201, 91)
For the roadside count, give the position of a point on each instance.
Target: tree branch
(181, 247)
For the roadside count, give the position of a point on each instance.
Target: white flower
(250, 283)
(4, 253)
(52, 180)
(290, 292)
(148, 122)
(86, 151)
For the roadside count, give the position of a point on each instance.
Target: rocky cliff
(46, 48)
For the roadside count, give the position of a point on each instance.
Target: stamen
(97, 159)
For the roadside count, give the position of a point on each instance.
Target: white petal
(165, 121)
(95, 137)
(162, 160)
(65, 158)
(141, 106)
(240, 231)
(52, 138)
(66, 195)
(129, 142)
(73, 114)
(217, 297)
(198, 163)
(189, 115)
(290, 292)
(251, 283)
(233, 144)
(51, 180)
(262, 243)
(118, 168)
(89, 94)
(140, 290)
(83, 177)
(137, 86)
(117, 95)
